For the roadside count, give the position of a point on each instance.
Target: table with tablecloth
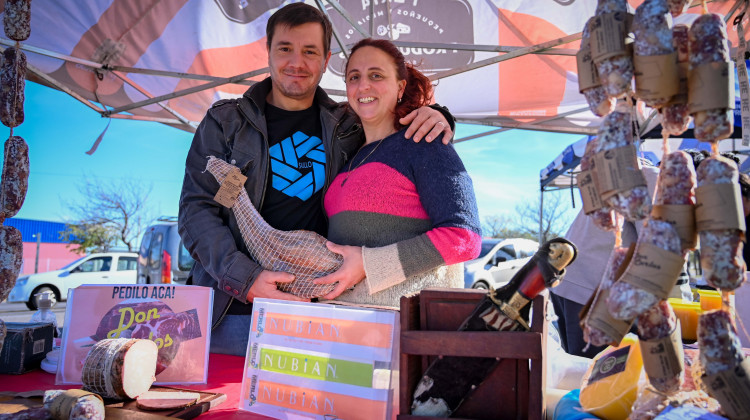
(224, 376)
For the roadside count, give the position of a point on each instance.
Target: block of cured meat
(74, 404)
(165, 400)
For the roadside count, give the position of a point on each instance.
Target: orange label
(317, 402)
(360, 333)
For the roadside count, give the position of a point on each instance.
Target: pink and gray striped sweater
(412, 207)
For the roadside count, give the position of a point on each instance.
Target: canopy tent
(504, 63)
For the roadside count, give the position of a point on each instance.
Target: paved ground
(18, 312)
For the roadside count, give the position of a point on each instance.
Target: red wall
(51, 257)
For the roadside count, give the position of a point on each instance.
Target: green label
(316, 367)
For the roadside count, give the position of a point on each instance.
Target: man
(288, 190)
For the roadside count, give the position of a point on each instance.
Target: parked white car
(498, 261)
(99, 268)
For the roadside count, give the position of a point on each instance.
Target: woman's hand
(351, 272)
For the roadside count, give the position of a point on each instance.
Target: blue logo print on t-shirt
(297, 178)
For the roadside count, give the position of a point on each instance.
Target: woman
(404, 213)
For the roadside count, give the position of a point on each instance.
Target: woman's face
(372, 86)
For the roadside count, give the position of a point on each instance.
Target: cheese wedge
(610, 385)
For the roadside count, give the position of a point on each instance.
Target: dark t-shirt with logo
(297, 170)
(296, 175)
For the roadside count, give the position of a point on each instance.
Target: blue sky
(59, 130)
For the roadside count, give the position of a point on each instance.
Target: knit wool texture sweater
(411, 206)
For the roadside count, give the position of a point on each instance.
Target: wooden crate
(514, 389)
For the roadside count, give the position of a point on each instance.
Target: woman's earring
(399, 100)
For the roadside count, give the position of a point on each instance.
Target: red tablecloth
(224, 376)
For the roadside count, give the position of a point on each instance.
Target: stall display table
(224, 376)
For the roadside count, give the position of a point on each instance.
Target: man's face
(297, 61)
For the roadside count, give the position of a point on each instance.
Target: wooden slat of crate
(428, 329)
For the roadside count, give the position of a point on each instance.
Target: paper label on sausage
(732, 389)
(608, 35)
(663, 358)
(617, 171)
(230, 188)
(589, 193)
(600, 318)
(681, 97)
(682, 218)
(656, 76)
(719, 206)
(711, 86)
(587, 74)
(653, 269)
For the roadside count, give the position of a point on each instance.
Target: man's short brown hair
(296, 14)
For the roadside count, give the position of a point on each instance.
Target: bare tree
(112, 213)
(501, 226)
(554, 216)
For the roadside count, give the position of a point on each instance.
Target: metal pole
(541, 211)
(38, 243)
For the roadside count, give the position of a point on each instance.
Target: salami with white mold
(661, 347)
(603, 217)
(17, 19)
(15, 177)
(709, 50)
(657, 250)
(720, 223)
(616, 132)
(675, 116)
(674, 200)
(615, 73)
(596, 96)
(652, 27)
(599, 329)
(11, 258)
(12, 83)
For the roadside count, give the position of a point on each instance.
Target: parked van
(162, 257)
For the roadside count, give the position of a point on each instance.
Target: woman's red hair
(418, 90)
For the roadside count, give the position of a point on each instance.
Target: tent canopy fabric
(504, 63)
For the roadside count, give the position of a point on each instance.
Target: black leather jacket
(235, 130)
